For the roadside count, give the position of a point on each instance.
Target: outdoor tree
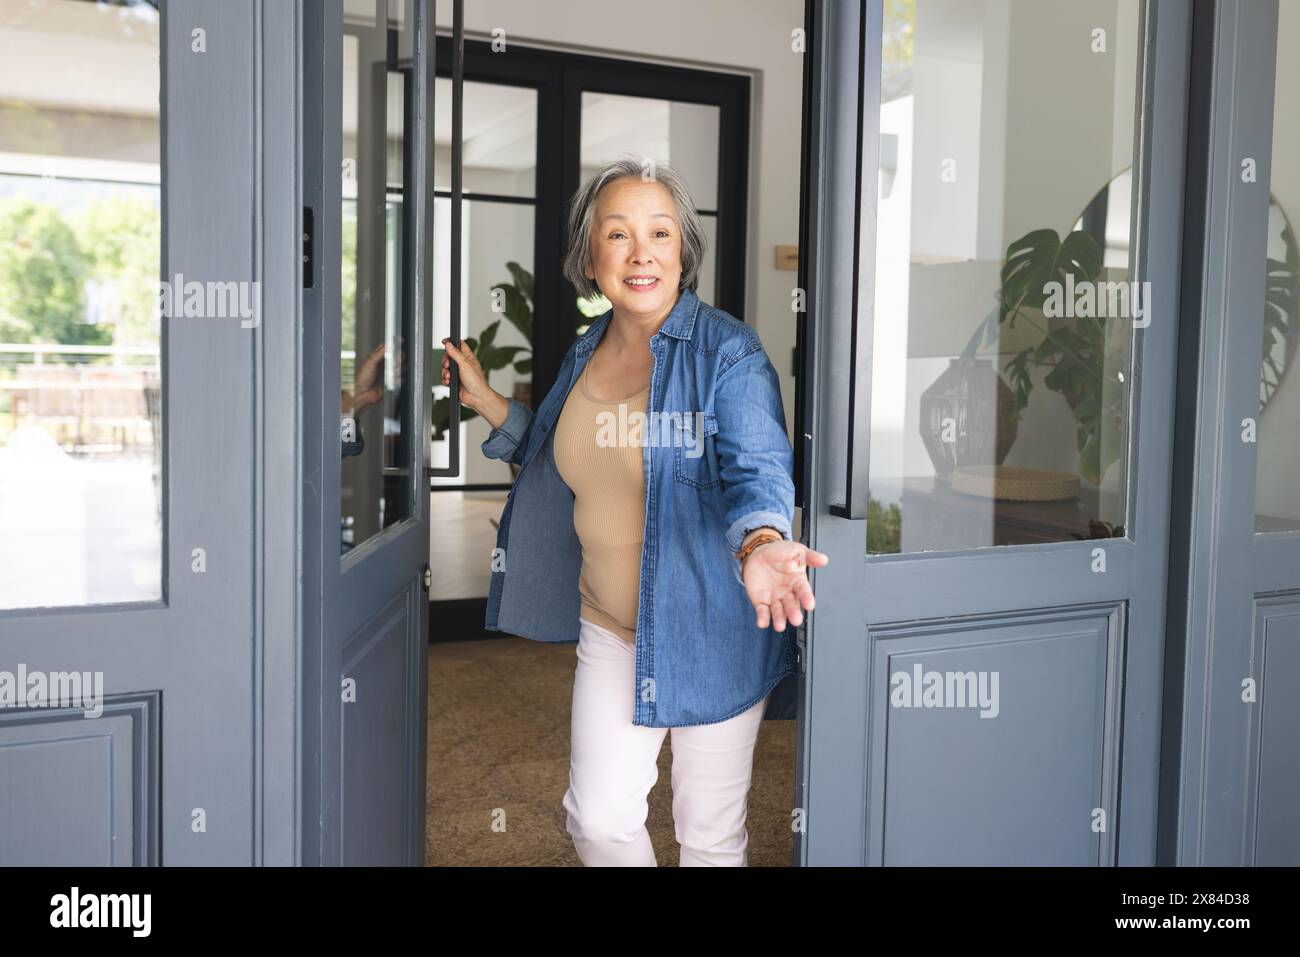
(42, 277)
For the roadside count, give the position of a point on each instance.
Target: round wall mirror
(1107, 218)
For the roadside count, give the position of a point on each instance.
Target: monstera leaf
(1086, 354)
(517, 299)
(1032, 262)
(1040, 258)
(1280, 315)
(1076, 353)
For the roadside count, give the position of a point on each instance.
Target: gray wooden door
(1234, 762)
(366, 155)
(983, 681)
(129, 485)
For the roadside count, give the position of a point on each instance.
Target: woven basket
(1015, 483)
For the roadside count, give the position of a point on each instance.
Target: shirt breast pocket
(695, 455)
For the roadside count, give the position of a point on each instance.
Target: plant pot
(968, 417)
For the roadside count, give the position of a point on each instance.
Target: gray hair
(582, 210)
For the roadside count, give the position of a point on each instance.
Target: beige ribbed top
(598, 450)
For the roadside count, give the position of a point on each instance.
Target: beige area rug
(499, 753)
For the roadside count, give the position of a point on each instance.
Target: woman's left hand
(777, 584)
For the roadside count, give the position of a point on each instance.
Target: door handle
(452, 468)
(856, 323)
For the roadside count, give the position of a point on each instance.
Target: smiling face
(636, 247)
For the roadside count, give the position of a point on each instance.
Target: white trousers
(613, 765)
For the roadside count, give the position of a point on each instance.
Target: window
(80, 266)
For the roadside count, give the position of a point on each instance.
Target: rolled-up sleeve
(507, 441)
(755, 458)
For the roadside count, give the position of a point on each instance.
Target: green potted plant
(1087, 362)
(517, 307)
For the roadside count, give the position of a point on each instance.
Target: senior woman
(650, 525)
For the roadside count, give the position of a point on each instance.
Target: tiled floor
(499, 763)
(461, 539)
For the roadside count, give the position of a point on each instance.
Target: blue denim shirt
(719, 468)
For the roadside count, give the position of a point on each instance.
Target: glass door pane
(498, 212)
(499, 135)
(80, 270)
(498, 216)
(1004, 311)
(375, 317)
(1277, 476)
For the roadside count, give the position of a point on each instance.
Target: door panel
(183, 662)
(366, 65)
(378, 739)
(1275, 770)
(74, 775)
(1062, 599)
(1238, 764)
(966, 774)
(1273, 790)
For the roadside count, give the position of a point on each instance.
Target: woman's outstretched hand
(777, 583)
